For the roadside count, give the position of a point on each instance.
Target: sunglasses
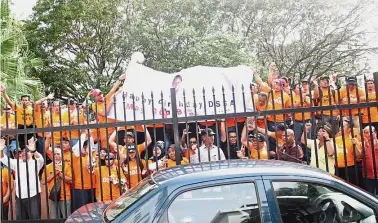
(109, 158)
(192, 142)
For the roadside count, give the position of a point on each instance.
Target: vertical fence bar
(175, 125)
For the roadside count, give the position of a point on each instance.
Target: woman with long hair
(133, 167)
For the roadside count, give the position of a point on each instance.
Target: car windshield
(126, 200)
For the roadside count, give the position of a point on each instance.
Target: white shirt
(204, 155)
(34, 183)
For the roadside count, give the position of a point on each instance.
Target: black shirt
(233, 150)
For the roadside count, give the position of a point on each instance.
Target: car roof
(235, 168)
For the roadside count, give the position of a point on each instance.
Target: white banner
(141, 79)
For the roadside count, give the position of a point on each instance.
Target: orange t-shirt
(41, 120)
(81, 120)
(348, 150)
(67, 187)
(187, 153)
(254, 153)
(82, 170)
(373, 110)
(328, 99)
(135, 173)
(278, 104)
(209, 123)
(24, 113)
(5, 183)
(302, 104)
(279, 139)
(99, 108)
(173, 162)
(57, 121)
(231, 121)
(258, 107)
(115, 192)
(353, 99)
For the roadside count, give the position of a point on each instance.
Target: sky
(22, 9)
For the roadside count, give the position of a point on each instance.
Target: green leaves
(15, 59)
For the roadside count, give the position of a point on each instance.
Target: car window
(120, 205)
(309, 202)
(234, 203)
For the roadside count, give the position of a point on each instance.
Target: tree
(85, 44)
(306, 38)
(15, 58)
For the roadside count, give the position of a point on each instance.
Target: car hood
(89, 212)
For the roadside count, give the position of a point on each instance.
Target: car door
(306, 199)
(236, 200)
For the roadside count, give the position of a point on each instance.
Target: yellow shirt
(8, 123)
(254, 153)
(24, 115)
(321, 157)
(173, 162)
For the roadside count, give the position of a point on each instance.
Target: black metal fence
(82, 156)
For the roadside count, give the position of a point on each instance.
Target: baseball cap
(324, 77)
(96, 92)
(281, 127)
(131, 148)
(258, 136)
(209, 132)
(351, 80)
(131, 134)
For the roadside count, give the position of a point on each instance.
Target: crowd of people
(83, 165)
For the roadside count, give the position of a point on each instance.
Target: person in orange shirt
(101, 112)
(77, 117)
(260, 103)
(300, 100)
(6, 188)
(324, 96)
(351, 94)
(109, 184)
(172, 157)
(42, 120)
(24, 114)
(129, 138)
(56, 174)
(59, 117)
(371, 112)
(8, 121)
(346, 158)
(278, 136)
(257, 146)
(158, 159)
(133, 167)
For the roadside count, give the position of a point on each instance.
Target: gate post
(176, 133)
(375, 76)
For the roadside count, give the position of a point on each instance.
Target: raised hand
(122, 77)
(31, 144)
